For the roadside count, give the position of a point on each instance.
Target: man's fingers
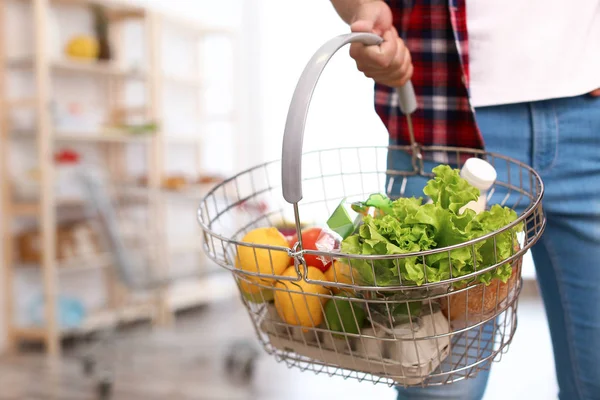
(407, 76)
(370, 57)
(595, 93)
(379, 57)
(395, 76)
(362, 26)
(357, 49)
(357, 52)
(375, 57)
(384, 54)
(388, 63)
(406, 63)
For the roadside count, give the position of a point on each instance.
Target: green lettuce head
(406, 226)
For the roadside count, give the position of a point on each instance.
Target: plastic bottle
(482, 175)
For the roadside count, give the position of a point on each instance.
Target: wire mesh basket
(348, 322)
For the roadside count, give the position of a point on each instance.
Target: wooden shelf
(116, 10)
(112, 145)
(95, 321)
(75, 265)
(122, 191)
(103, 137)
(30, 334)
(105, 318)
(108, 136)
(25, 209)
(81, 66)
(215, 287)
(27, 102)
(31, 208)
(193, 192)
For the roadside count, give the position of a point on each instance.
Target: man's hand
(389, 63)
(595, 93)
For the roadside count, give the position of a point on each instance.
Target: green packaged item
(344, 220)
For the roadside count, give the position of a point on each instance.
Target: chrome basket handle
(291, 160)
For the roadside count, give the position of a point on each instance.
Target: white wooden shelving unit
(113, 145)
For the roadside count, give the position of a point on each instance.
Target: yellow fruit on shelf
(297, 303)
(83, 47)
(264, 261)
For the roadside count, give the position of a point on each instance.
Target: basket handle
(291, 160)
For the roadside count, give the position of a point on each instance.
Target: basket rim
(535, 204)
(301, 275)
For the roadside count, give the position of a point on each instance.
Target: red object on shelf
(67, 156)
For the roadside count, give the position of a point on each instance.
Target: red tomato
(309, 239)
(291, 241)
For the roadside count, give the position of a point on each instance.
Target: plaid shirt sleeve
(435, 32)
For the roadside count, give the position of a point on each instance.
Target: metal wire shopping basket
(432, 333)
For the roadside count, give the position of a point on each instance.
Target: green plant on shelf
(140, 129)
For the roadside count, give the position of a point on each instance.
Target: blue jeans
(560, 139)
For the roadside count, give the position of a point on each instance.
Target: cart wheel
(229, 364)
(240, 361)
(88, 365)
(104, 389)
(249, 370)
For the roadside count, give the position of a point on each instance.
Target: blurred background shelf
(115, 9)
(94, 322)
(123, 192)
(106, 136)
(181, 297)
(82, 66)
(70, 105)
(74, 265)
(33, 209)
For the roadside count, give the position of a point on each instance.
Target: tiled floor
(187, 363)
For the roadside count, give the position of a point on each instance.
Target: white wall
(341, 112)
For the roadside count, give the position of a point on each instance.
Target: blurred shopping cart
(140, 276)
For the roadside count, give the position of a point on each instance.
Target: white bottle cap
(479, 173)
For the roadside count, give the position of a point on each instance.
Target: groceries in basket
(301, 303)
(406, 225)
(336, 308)
(316, 238)
(266, 262)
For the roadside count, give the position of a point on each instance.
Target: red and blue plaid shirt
(435, 32)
